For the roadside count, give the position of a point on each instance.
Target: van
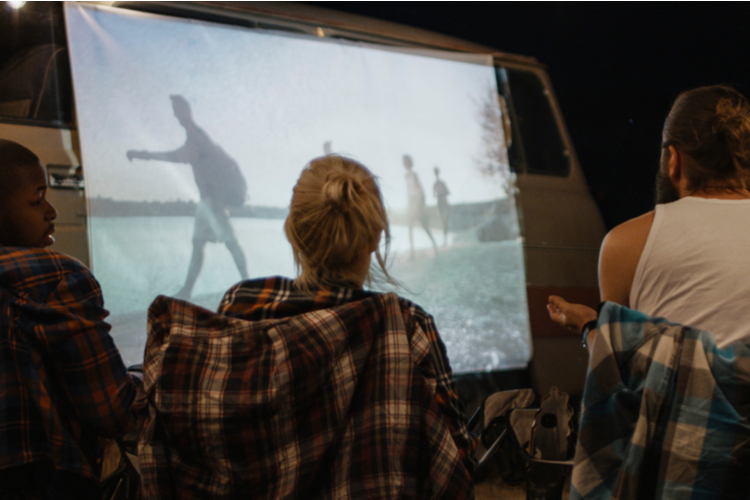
(561, 227)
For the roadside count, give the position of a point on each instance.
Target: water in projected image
(193, 136)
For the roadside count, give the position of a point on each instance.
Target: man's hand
(571, 316)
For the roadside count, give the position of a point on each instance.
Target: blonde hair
(335, 220)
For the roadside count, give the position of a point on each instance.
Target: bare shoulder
(630, 234)
(619, 256)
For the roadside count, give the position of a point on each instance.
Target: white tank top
(695, 268)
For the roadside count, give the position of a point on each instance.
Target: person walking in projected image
(221, 186)
(416, 209)
(440, 191)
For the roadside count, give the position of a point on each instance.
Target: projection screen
(192, 131)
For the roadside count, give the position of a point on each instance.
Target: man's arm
(619, 256)
(176, 156)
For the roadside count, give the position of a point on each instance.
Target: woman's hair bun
(336, 218)
(341, 190)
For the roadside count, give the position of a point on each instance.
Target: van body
(561, 226)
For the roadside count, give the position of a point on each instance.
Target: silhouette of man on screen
(220, 183)
(415, 209)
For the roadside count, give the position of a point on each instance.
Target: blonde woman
(391, 394)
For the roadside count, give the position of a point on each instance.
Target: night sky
(615, 67)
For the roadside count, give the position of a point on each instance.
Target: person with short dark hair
(63, 384)
(687, 260)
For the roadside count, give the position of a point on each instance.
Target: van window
(35, 84)
(537, 146)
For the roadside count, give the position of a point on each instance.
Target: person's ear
(674, 165)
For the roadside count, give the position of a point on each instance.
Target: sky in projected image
(271, 102)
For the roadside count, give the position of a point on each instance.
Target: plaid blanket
(276, 297)
(332, 403)
(62, 381)
(665, 413)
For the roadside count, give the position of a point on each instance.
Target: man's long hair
(711, 125)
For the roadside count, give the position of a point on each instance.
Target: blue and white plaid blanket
(664, 413)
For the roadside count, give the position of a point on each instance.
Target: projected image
(193, 136)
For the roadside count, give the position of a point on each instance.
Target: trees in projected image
(496, 139)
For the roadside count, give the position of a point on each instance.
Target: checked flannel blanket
(333, 403)
(665, 413)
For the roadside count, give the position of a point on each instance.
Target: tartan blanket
(62, 382)
(326, 404)
(664, 413)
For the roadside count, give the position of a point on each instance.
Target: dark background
(615, 67)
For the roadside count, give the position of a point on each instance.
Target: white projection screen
(173, 115)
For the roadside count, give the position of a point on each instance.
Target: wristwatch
(591, 325)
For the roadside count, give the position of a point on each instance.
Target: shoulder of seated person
(412, 309)
(58, 259)
(68, 262)
(40, 271)
(632, 231)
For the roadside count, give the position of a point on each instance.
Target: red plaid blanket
(340, 402)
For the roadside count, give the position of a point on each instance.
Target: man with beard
(658, 392)
(688, 259)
